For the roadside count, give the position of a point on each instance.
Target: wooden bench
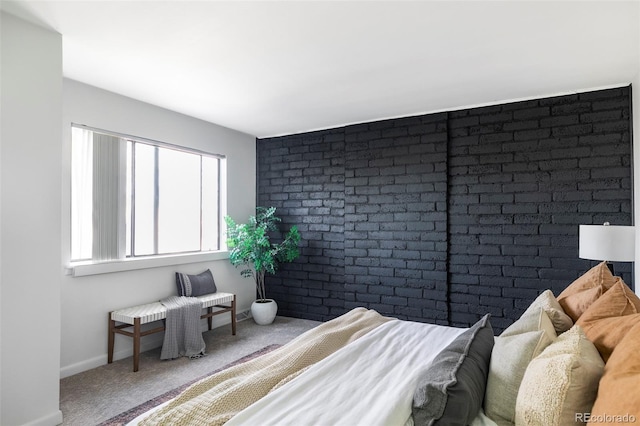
(135, 316)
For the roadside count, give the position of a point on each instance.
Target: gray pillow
(451, 391)
(195, 285)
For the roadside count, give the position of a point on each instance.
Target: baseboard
(52, 419)
(79, 367)
(241, 316)
(150, 342)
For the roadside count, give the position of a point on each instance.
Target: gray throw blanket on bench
(182, 335)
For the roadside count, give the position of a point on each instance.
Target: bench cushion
(156, 311)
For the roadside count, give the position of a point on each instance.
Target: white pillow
(513, 350)
(547, 301)
(560, 382)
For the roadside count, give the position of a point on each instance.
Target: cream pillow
(547, 301)
(513, 350)
(560, 382)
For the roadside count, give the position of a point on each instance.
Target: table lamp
(607, 243)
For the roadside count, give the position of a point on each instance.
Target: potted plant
(250, 246)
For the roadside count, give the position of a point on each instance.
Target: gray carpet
(96, 395)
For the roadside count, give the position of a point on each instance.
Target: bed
(567, 360)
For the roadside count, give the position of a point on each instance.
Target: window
(132, 197)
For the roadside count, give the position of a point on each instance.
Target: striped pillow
(195, 285)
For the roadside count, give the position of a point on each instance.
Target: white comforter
(369, 382)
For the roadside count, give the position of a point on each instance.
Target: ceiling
(280, 67)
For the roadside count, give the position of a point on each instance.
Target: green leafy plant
(249, 245)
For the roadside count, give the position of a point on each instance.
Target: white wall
(86, 301)
(30, 179)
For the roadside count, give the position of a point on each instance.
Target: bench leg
(136, 344)
(210, 317)
(112, 334)
(233, 316)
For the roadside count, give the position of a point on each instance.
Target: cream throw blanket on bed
(214, 400)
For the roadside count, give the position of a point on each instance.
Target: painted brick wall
(303, 177)
(522, 177)
(445, 217)
(396, 217)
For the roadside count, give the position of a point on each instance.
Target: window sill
(81, 269)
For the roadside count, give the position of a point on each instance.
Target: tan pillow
(513, 350)
(618, 392)
(547, 301)
(560, 382)
(610, 317)
(581, 293)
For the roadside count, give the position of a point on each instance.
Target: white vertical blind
(108, 189)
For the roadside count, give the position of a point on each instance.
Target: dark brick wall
(396, 217)
(303, 177)
(445, 217)
(522, 177)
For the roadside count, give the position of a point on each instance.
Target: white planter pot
(264, 312)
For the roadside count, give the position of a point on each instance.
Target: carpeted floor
(94, 396)
(129, 415)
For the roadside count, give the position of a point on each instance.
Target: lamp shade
(607, 242)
